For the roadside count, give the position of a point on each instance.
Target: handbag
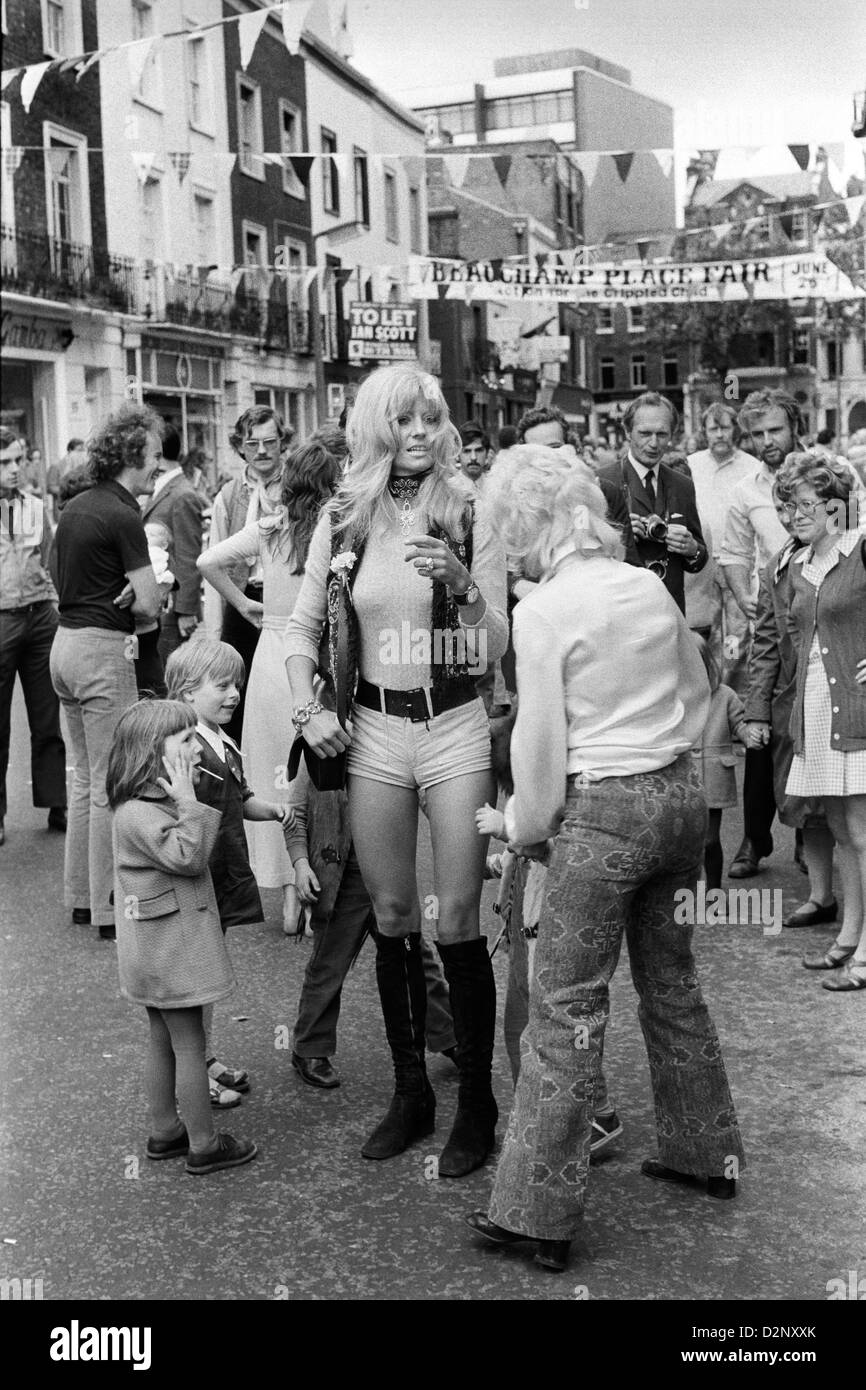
(326, 774)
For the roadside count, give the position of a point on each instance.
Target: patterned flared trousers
(625, 847)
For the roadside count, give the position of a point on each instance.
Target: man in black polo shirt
(100, 547)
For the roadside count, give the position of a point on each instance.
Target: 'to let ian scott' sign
(382, 332)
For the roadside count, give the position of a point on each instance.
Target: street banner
(382, 332)
(806, 276)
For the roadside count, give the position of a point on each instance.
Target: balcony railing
(47, 267)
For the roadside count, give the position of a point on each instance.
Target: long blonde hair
(374, 441)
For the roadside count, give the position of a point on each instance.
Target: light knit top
(393, 603)
(610, 685)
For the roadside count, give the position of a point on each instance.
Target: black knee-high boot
(473, 1003)
(403, 993)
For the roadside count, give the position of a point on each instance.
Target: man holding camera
(661, 502)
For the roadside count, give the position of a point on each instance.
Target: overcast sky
(738, 72)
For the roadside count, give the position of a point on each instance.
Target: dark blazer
(179, 507)
(223, 786)
(675, 500)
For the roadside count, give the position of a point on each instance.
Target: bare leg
(818, 846)
(459, 852)
(384, 821)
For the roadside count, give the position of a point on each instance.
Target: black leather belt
(418, 705)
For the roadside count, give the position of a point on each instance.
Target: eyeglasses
(807, 508)
(255, 446)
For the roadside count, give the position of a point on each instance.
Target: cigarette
(208, 773)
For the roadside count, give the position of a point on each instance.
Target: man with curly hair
(104, 583)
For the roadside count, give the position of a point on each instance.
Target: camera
(656, 528)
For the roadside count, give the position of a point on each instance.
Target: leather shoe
(81, 916)
(551, 1254)
(811, 913)
(316, 1071)
(723, 1188)
(57, 818)
(746, 859)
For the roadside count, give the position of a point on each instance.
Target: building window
(330, 177)
(61, 27)
(416, 238)
(543, 108)
(362, 190)
(8, 186)
(671, 370)
(392, 225)
(832, 361)
(800, 227)
(606, 374)
(604, 318)
(254, 241)
(250, 140)
(67, 194)
(288, 404)
(144, 27)
(197, 83)
(151, 219)
(638, 371)
(205, 227)
(635, 318)
(291, 142)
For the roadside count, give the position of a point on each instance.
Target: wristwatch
(471, 595)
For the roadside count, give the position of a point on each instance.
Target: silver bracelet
(302, 714)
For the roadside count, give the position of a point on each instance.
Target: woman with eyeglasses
(828, 722)
(262, 440)
(406, 575)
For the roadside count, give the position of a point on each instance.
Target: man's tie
(649, 484)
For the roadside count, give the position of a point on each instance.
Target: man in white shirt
(716, 471)
(754, 533)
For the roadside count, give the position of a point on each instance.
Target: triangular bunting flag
(143, 162)
(588, 166)
(643, 249)
(343, 165)
(227, 161)
(342, 275)
(69, 63)
(665, 161)
(786, 222)
(541, 259)
(57, 158)
(88, 63)
(749, 286)
(293, 15)
(502, 165)
(308, 277)
(250, 25)
(836, 151)
(801, 155)
(496, 267)
(456, 167)
(442, 291)
(854, 208)
(30, 81)
(137, 55)
(8, 77)
(623, 163)
(302, 164)
(180, 161)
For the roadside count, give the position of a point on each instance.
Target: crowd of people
(551, 644)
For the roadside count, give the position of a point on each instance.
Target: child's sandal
(222, 1098)
(235, 1080)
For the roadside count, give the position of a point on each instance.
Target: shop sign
(36, 333)
(382, 332)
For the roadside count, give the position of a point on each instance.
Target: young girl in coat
(207, 676)
(171, 954)
(725, 722)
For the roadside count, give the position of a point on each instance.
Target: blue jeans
(626, 845)
(336, 943)
(93, 672)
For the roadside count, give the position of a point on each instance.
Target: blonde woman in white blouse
(612, 697)
(404, 573)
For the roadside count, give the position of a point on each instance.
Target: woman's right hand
(253, 612)
(325, 735)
